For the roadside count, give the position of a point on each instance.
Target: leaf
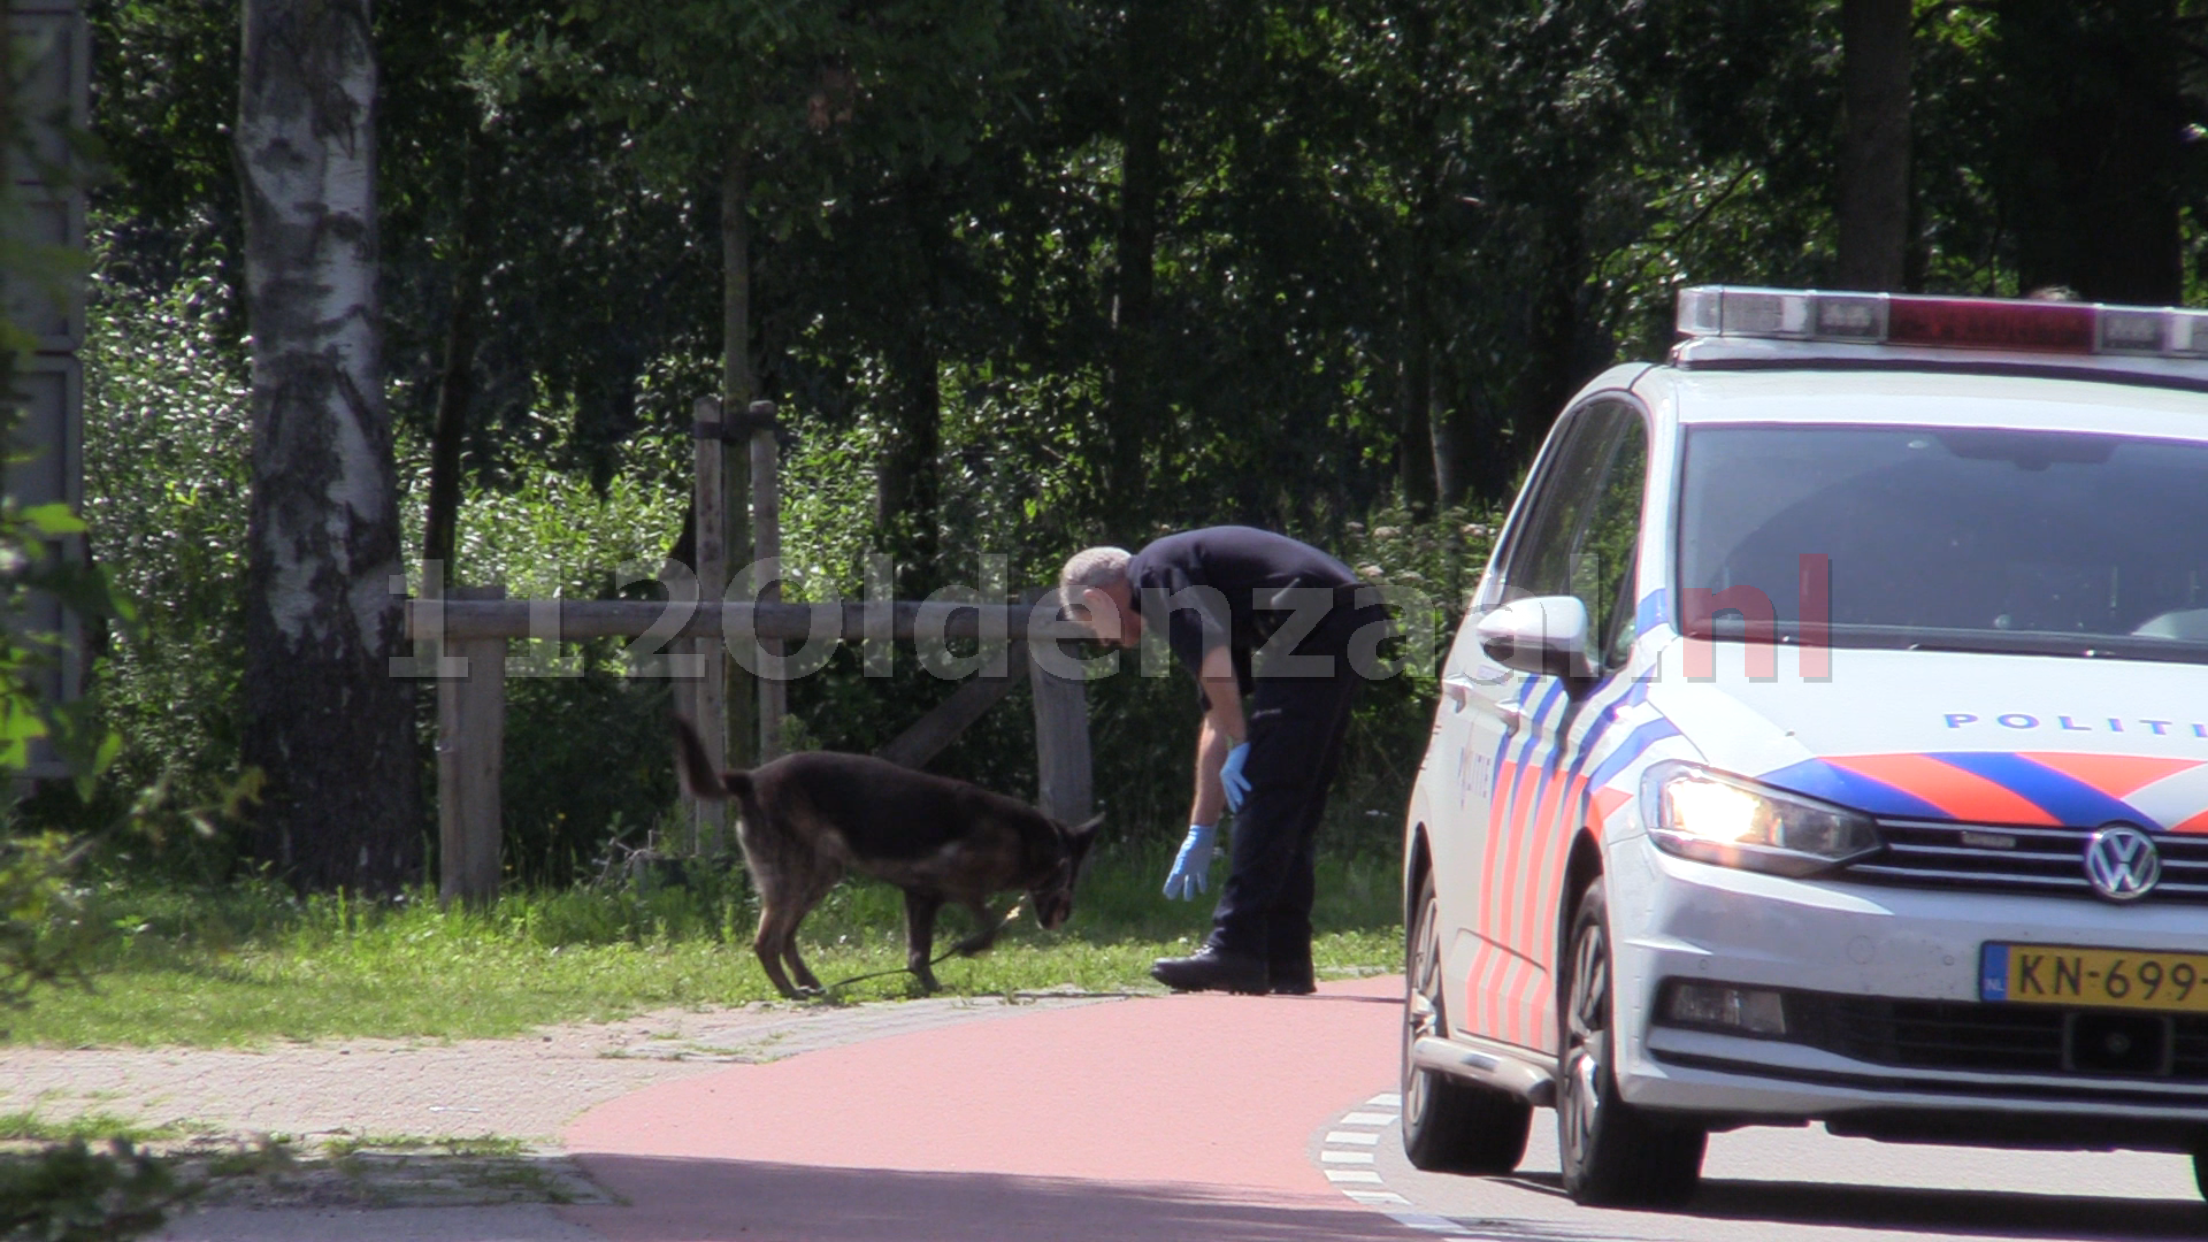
(54, 519)
(18, 726)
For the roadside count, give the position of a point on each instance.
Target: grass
(251, 964)
(446, 1145)
(90, 1127)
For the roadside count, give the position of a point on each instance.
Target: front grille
(1935, 854)
(1960, 1035)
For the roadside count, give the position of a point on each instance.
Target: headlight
(1700, 814)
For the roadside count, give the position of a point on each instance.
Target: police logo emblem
(2121, 863)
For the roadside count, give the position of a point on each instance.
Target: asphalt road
(1803, 1185)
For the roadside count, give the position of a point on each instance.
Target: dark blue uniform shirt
(1246, 571)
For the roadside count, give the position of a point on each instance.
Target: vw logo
(2121, 862)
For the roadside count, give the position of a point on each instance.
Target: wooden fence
(469, 629)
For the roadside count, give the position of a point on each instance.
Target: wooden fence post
(709, 696)
(1064, 789)
(471, 748)
(766, 545)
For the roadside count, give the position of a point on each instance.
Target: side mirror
(1545, 634)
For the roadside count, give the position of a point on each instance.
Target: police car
(1828, 740)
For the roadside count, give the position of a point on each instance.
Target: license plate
(2053, 974)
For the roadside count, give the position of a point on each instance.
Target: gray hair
(1091, 567)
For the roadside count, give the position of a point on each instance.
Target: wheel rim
(1421, 1006)
(1586, 1018)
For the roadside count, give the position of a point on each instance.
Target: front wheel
(1449, 1126)
(1613, 1153)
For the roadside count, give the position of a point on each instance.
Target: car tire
(1613, 1154)
(1449, 1126)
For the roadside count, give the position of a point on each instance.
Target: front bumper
(1673, 918)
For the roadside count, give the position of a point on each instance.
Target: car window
(1603, 568)
(1580, 535)
(1979, 539)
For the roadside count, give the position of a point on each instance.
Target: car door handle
(1458, 690)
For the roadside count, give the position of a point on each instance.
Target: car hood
(1996, 739)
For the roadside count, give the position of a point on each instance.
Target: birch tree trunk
(326, 721)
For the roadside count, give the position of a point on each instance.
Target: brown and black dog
(809, 817)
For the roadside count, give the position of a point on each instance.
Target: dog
(809, 817)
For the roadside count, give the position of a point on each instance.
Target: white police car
(1828, 740)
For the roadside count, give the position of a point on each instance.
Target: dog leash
(937, 960)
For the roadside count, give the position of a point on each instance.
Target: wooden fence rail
(565, 620)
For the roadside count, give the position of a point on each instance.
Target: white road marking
(1377, 1197)
(1350, 1181)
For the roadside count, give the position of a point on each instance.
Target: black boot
(1209, 970)
(1296, 979)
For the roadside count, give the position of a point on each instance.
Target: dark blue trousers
(1296, 730)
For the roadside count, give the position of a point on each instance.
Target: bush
(167, 470)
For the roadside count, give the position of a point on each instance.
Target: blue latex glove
(1230, 775)
(1192, 866)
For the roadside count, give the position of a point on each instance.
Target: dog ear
(1078, 840)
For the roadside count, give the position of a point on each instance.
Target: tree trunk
(456, 380)
(908, 478)
(1874, 150)
(1450, 430)
(1415, 468)
(908, 482)
(1133, 397)
(1417, 472)
(1553, 368)
(332, 729)
(737, 391)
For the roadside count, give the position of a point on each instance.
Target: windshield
(1961, 539)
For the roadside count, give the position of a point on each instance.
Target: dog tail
(700, 778)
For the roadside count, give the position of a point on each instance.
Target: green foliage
(45, 936)
(549, 533)
(1338, 287)
(587, 756)
(167, 455)
(70, 1193)
(587, 765)
(697, 83)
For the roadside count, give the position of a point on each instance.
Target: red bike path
(1158, 1119)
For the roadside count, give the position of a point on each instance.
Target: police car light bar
(2010, 324)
